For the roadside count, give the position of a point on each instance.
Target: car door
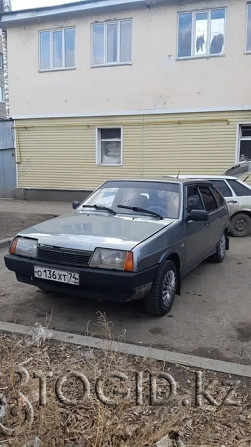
(197, 232)
(243, 195)
(215, 225)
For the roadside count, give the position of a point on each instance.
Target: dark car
(130, 239)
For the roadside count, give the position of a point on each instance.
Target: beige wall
(155, 80)
(61, 153)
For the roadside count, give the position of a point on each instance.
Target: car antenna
(178, 173)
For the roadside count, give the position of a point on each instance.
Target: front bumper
(93, 283)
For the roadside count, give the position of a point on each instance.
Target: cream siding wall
(61, 153)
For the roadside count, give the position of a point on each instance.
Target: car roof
(203, 177)
(162, 180)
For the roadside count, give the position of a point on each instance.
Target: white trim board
(246, 108)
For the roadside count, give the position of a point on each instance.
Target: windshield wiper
(100, 207)
(140, 210)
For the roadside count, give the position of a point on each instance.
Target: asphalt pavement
(211, 318)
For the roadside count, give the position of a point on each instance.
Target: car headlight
(24, 247)
(106, 258)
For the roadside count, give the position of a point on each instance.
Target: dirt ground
(54, 395)
(12, 222)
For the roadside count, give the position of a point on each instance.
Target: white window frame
(106, 23)
(209, 13)
(246, 38)
(98, 146)
(1, 94)
(51, 49)
(1, 60)
(239, 138)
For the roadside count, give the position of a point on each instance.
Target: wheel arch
(248, 212)
(174, 257)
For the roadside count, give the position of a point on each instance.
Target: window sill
(246, 53)
(115, 64)
(56, 69)
(109, 165)
(209, 56)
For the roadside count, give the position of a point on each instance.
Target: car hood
(86, 231)
(240, 169)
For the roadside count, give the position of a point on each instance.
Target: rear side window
(219, 198)
(208, 199)
(239, 189)
(222, 187)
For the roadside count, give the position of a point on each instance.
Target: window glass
(69, 47)
(110, 133)
(1, 94)
(223, 187)
(98, 44)
(1, 60)
(219, 198)
(201, 33)
(194, 201)
(239, 189)
(163, 197)
(217, 31)
(245, 143)
(249, 29)
(57, 49)
(45, 50)
(125, 40)
(185, 35)
(109, 146)
(208, 199)
(112, 42)
(206, 29)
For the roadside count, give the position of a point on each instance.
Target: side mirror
(75, 204)
(198, 215)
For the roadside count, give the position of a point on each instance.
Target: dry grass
(90, 423)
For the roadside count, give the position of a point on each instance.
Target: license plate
(56, 275)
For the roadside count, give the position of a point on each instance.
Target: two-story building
(2, 95)
(128, 88)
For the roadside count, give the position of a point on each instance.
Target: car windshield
(162, 198)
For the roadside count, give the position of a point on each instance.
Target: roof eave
(25, 16)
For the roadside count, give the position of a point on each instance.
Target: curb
(136, 350)
(5, 242)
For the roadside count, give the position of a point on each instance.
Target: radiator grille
(64, 256)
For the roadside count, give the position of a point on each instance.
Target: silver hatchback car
(237, 195)
(130, 239)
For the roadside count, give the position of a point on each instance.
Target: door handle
(207, 223)
(232, 201)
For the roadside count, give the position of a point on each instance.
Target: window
(248, 44)
(57, 48)
(219, 198)
(111, 42)
(1, 94)
(208, 199)
(222, 186)
(239, 188)
(163, 198)
(201, 33)
(245, 143)
(1, 60)
(109, 146)
(194, 201)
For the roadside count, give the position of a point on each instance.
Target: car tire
(160, 299)
(219, 255)
(240, 225)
